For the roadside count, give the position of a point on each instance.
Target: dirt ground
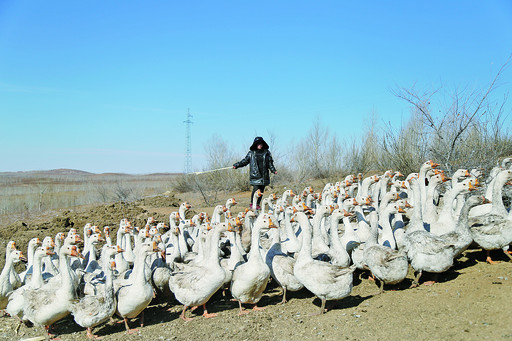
(471, 301)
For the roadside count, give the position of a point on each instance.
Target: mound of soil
(100, 215)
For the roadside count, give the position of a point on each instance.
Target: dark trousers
(254, 189)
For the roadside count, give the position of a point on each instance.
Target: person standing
(261, 163)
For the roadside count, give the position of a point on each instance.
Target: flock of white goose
(312, 240)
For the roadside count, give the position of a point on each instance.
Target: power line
(188, 143)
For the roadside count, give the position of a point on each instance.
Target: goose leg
(242, 311)
(128, 330)
(322, 308)
(284, 296)
(508, 253)
(488, 259)
(182, 316)
(205, 313)
(416, 281)
(91, 336)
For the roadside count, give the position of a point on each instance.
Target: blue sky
(105, 86)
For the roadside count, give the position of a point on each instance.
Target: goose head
(230, 203)
(96, 238)
(11, 246)
(265, 221)
(17, 256)
(33, 243)
(48, 242)
(70, 250)
(43, 251)
(349, 203)
(151, 221)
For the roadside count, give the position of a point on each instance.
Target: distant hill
(74, 172)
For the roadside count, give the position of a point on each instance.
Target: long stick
(212, 170)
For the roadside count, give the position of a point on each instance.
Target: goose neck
(305, 251)
(497, 200)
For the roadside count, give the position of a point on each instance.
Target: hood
(257, 141)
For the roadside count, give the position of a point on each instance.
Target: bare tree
(318, 155)
(467, 132)
(42, 188)
(122, 192)
(103, 192)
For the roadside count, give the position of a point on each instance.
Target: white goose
(337, 252)
(17, 298)
(195, 285)
(446, 222)
(281, 267)
(6, 286)
(326, 281)
(136, 293)
(250, 278)
(32, 245)
(50, 303)
(494, 230)
(461, 236)
(428, 252)
(386, 264)
(14, 277)
(122, 264)
(93, 310)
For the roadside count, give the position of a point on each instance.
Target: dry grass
(26, 193)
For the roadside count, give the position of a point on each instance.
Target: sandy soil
(471, 301)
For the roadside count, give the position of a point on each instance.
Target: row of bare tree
(458, 128)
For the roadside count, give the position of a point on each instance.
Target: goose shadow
(344, 303)
(275, 296)
(153, 315)
(479, 255)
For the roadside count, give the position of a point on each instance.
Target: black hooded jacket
(260, 162)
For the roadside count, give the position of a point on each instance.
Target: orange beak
(433, 164)
(401, 210)
(155, 247)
